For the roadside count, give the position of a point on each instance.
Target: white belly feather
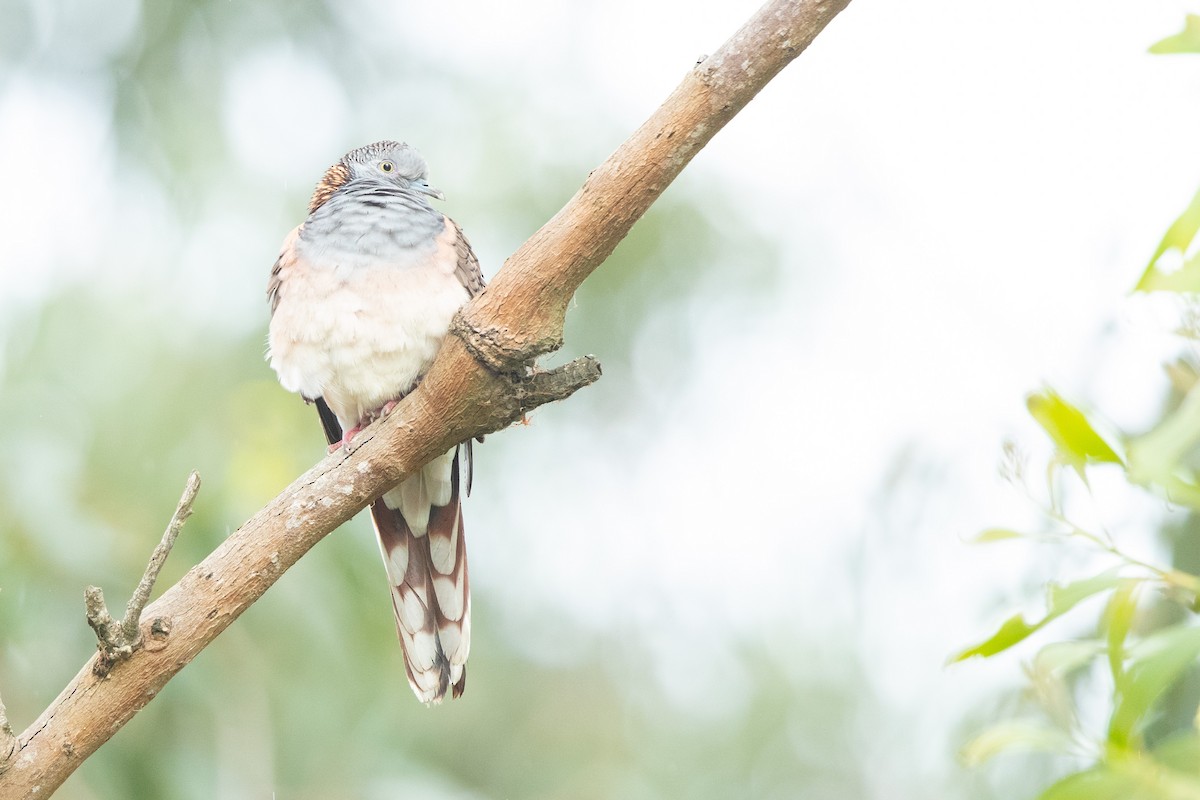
(359, 328)
(361, 334)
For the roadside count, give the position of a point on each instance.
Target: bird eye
(387, 166)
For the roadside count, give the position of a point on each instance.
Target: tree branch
(482, 380)
(8, 740)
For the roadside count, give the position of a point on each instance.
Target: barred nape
(334, 178)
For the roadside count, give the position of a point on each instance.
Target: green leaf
(1118, 618)
(1013, 630)
(1151, 778)
(1186, 42)
(1074, 437)
(1015, 735)
(996, 535)
(1060, 599)
(1063, 658)
(1184, 280)
(1098, 783)
(1157, 661)
(1181, 753)
(1064, 597)
(1178, 238)
(1156, 459)
(1127, 776)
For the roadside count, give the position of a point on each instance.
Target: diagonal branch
(483, 380)
(522, 311)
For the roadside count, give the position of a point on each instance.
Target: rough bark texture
(481, 381)
(8, 740)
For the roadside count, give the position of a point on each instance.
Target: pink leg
(357, 429)
(346, 437)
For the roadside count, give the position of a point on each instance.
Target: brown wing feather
(467, 272)
(471, 277)
(287, 257)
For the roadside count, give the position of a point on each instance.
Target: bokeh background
(733, 568)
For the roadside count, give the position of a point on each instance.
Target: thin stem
(119, 640)
(141, 595)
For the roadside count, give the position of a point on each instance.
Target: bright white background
(961, 195)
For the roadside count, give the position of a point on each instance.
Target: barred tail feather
(430, 590)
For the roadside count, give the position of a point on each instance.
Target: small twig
(141, 595)
(543, 386)
(119, 640)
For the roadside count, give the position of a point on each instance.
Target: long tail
(427, 568)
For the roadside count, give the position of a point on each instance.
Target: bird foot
(386, 409)
(346, 437)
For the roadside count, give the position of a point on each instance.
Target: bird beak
(424, 188)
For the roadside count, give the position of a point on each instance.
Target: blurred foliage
(1170, 269)
(1188, 41)
(1143, 660)
(118, 381)
(125, 379)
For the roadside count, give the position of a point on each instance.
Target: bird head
(386, 163)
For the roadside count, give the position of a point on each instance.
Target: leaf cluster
(1148, 747)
